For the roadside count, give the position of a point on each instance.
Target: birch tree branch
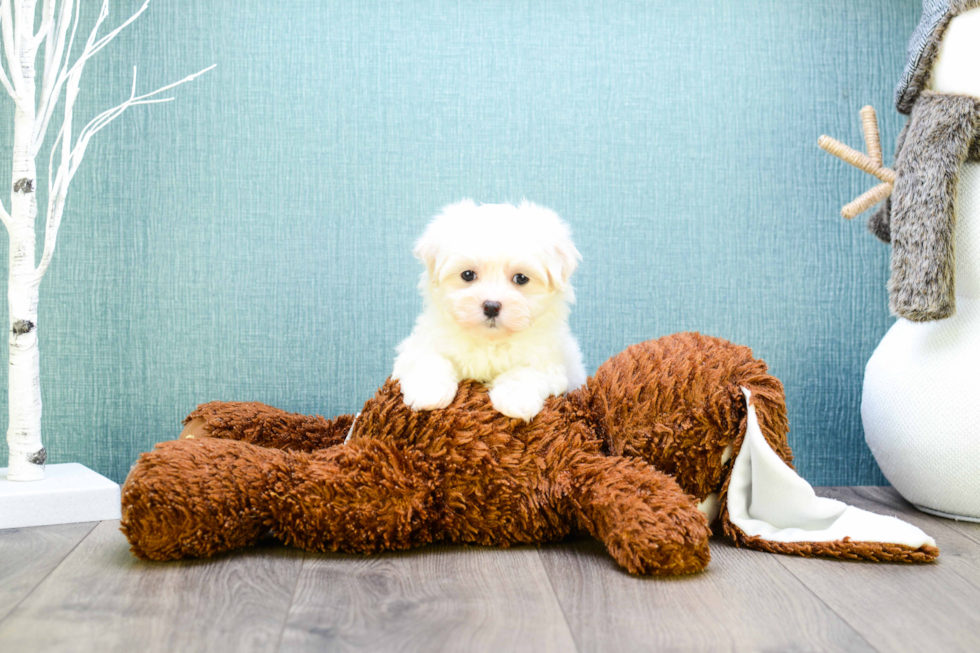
(4, 217)
(15, 23)
(6, 84)
(54, 73)
(71, 75)
(92, 46)
(104, 41)
(50, 35)
(57, 192)
(7, 29)
(47, 20)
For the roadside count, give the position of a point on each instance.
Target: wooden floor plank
(889, 496)
(952, 541)
(101, 598)
(900, 607)
(27, 556)
(63, 590)
(967, 529)
(434, 599)
(745, 601)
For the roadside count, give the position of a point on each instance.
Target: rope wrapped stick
(870, 163)
(856, 159)
(872, 139)
(866, 201)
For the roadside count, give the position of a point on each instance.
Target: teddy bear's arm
(265, 426)
(647, 523)
(196, 498)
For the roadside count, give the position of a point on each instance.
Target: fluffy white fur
(526, 353)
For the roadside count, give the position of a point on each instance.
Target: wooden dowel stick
(866, 201)
(869, 122)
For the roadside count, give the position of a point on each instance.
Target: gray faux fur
(880, 221)
(941, 134)
(957, 7)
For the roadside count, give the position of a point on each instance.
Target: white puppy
(496, 289)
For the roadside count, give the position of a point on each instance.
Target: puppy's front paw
(519, 400)
(428, 391)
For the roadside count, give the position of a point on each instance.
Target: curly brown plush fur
(623, 458)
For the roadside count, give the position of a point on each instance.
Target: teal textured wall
(252, 239)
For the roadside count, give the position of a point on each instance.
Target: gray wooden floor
(77, 588)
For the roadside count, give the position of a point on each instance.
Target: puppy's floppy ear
(562, 262)
(561, 255)
(429, 248)
(427, 251)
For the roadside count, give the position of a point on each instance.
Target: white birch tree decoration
(36, 100)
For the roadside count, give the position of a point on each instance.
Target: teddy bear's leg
(195, 498)
(648, 524)
(265, 426)
(363, 497)
(199, 497)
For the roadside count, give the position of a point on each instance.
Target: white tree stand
(68, 494)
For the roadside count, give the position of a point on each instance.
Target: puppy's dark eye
(469, 275)
(520, 279)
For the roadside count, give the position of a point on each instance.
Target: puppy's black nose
(491, 309)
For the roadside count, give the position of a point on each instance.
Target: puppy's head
(497, 269)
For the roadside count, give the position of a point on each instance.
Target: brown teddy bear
(635, 458)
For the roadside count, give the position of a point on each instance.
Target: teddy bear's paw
(518, 400)
(664, 558)
(428, 392)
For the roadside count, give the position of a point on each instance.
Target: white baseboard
(69, 493)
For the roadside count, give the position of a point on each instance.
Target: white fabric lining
(769, 500)
(710, 507)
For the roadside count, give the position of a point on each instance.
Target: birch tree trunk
(31, 118)
(27, 455)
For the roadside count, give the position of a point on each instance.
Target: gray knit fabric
(933, 13)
